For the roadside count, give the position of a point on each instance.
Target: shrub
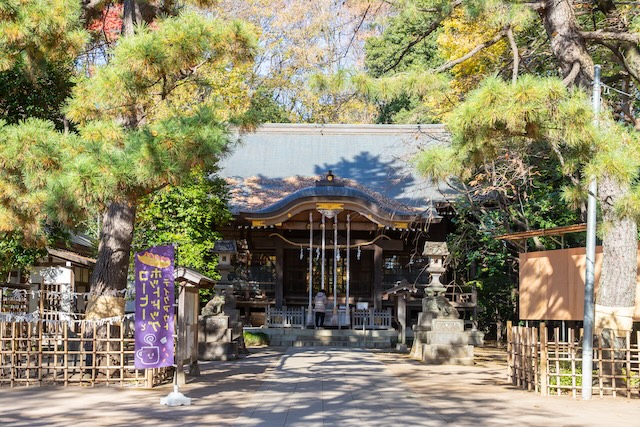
(255, 338)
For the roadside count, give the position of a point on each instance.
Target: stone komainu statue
(219, 305)
(214, 306)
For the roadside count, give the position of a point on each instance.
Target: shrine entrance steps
(349, 338)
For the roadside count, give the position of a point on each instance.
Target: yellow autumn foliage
(300, 39)
(459, 36)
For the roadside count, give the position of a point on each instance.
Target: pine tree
(481, 39)
(160, 106)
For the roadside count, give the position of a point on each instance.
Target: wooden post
(149, 377)
(66, 354)
(181, 342)
(628, 368)
(521, 376)
(572, 355)
(556, 338)
(40, 336)
(535, 353)
(14, 342)
(526, 358)
(378, 261)
(94, 372)
(279, 285)
(107, 356)
(28, 356)
(600, 366)
(510, 352)
(122, 346)
(544, 369)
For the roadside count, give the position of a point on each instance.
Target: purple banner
(154, 307)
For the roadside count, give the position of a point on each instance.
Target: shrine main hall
(339, 208)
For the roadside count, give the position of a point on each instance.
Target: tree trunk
(109, 275)
(567, 44)
(616, 294)
(112, 265)
(130, 16)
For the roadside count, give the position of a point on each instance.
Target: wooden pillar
(310, 272)
(510, 358)
(544, 360)
(378, 260)
(279, 285)
(181, 344)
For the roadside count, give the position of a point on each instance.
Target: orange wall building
(552, 284)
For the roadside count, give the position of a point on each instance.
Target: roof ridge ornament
(329, 180)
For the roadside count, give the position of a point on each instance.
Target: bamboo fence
(72, 353)
(549, 361)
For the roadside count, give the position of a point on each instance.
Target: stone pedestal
(220, 338)
(439, 336)
(447, 343)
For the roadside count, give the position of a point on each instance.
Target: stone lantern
(439, 335)
(437, 252)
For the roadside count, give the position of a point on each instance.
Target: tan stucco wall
(552, 284)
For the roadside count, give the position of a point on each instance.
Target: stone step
(286, 337)
(325, 332)
(348, 344)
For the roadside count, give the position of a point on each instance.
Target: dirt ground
(480, 395)
(462, 395)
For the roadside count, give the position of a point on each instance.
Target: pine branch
(356, 30)
(535, 5)
(621, 59)
(434, 26)
(570, 78)
(611, 36)
(516, 55)
(450, 64)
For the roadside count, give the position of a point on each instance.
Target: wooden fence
(549, 361)
(72, 353)
(372, 319)
(295, 317)
(285, 317)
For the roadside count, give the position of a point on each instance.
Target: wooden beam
(556, 231)
(355, 226)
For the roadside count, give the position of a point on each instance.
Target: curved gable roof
(373, 206)
(279, 159)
